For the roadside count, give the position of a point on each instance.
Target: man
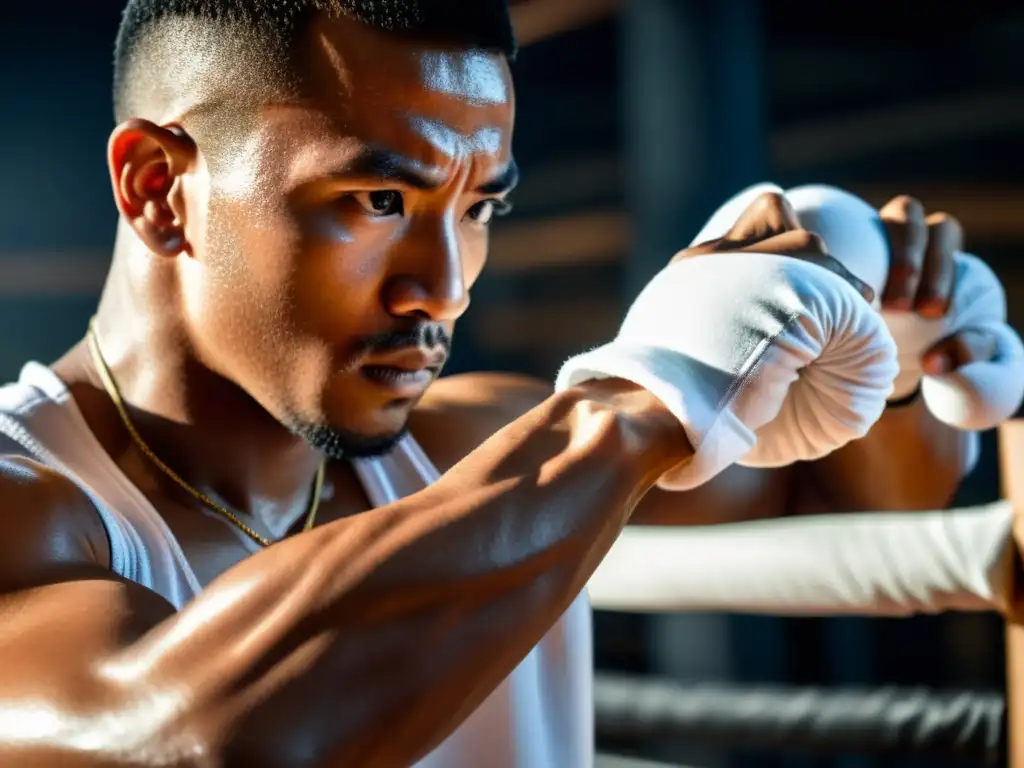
(304, 192)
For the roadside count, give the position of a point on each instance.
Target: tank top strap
(39, 413)
(403, 471)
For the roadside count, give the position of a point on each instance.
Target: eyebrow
(504, 182)
(390, 166)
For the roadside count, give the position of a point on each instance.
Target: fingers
(769, 214)
(833, 265)
(959, 350)
(922, 250)
(945, 238)
(770, 225)
(798, 243)
(907, 231)
(801, 244)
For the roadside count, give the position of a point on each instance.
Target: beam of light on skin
(237, 173)
(325, 226)
(516, 540)
(476, 77)
(486, 140)
(221, 62)
(131, 734)
(454, 143)
(131, 668)
(337, 64)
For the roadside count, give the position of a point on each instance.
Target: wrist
(907, 384)
(903, 401)
(632, 423)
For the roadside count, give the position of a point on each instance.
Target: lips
(406, 373)
(409, 360)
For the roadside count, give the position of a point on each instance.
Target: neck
(204, 427)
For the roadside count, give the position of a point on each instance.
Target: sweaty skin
(244, 286)
(312, 652)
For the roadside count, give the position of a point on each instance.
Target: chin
(373, 437)
(344, 444)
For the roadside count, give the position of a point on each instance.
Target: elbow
(924, 488)
(935, 486)
(920, 498)
(927, 483)
(927, 473)
(898, 474)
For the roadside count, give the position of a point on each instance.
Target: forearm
(908, 461)
(367, 640)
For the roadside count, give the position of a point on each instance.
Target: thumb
(958, 350)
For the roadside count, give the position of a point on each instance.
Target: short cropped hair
(266, 33)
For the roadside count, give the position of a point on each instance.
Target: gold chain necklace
(115, 396)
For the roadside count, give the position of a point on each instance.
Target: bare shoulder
(460, 412)
(48, 526)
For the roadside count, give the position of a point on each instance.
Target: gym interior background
(636, 119)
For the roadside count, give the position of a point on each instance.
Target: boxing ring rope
(876, 564)
(896, 722)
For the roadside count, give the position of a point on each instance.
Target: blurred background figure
(636, 119)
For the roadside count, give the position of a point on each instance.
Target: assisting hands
(945, 309)
(957, 355)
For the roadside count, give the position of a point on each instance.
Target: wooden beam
(987, 211)
(552, 327)
(576, 181)
(595, 237)
(989, 214)
(850, 137)
(1011, 455)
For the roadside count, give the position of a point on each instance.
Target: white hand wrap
(977, 396)
(762, 358)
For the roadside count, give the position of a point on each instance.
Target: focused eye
(485, 211)
(384, 202)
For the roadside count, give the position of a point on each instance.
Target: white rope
(869, 564)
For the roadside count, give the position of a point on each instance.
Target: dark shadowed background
(636, 120)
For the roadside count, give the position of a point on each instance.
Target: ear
(147, 162)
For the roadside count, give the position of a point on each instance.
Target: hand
(752, 324)
(769, 225)
(922, 277)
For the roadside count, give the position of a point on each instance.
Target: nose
(430, 284)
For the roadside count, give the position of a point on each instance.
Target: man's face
(335, 247)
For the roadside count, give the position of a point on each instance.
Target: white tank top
(541, 716)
